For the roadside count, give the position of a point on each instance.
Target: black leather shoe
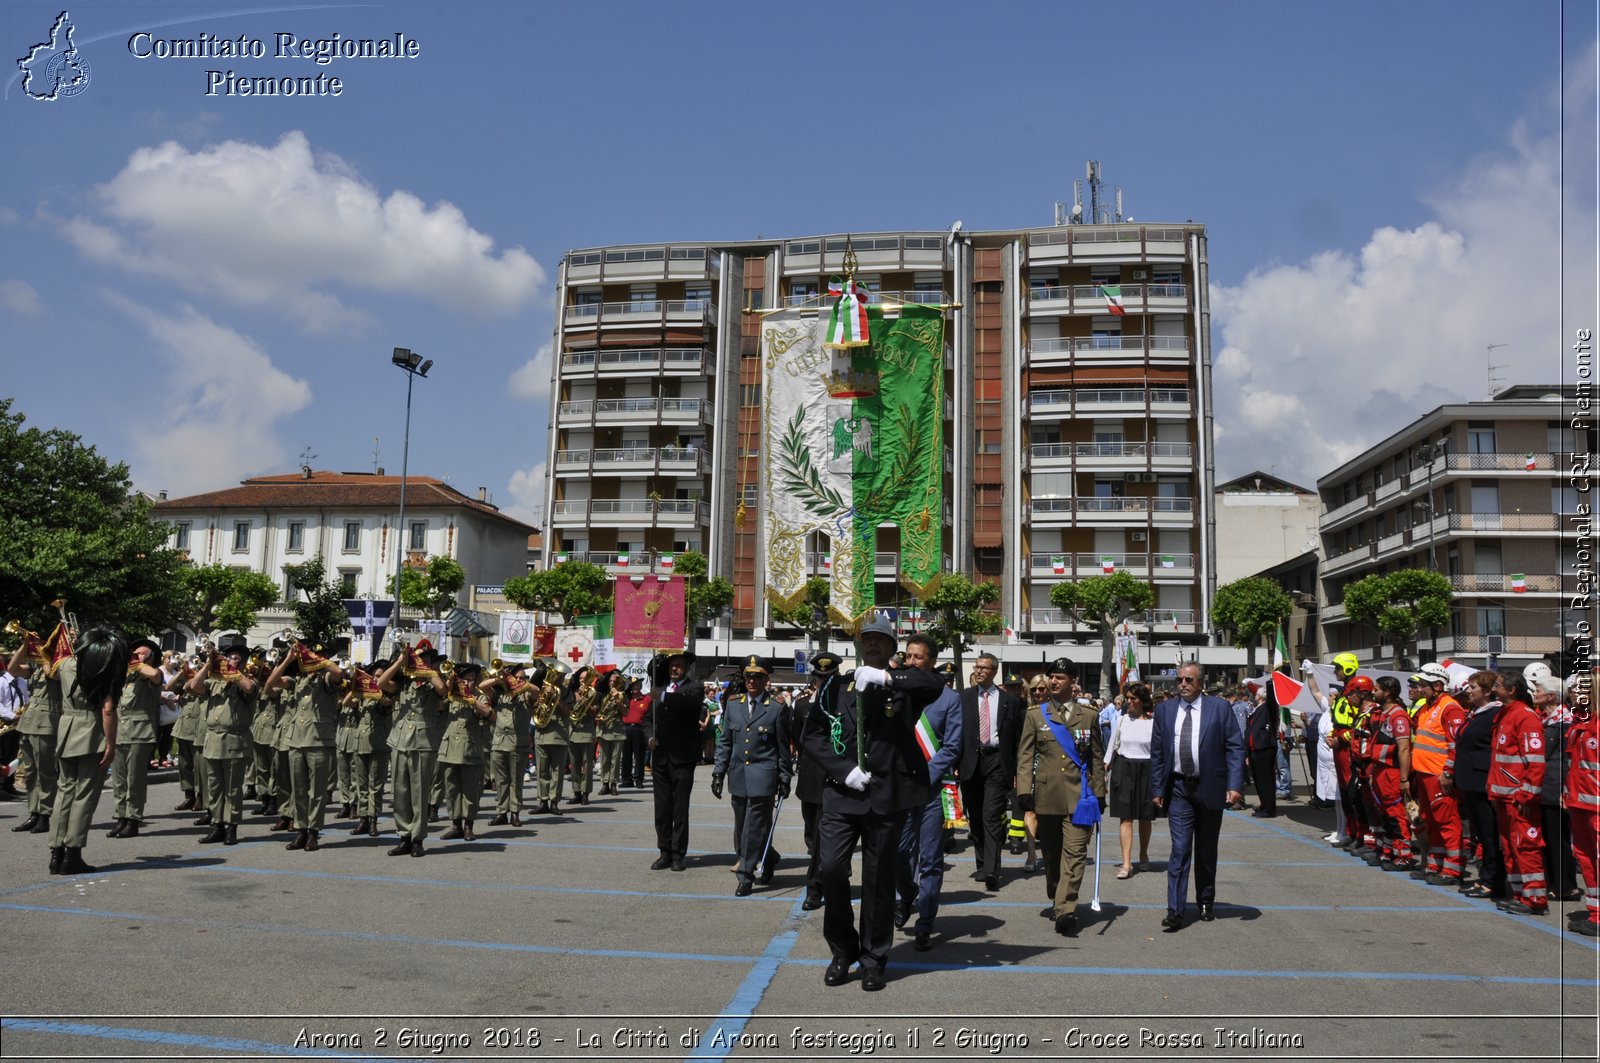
(216, 834)
(416, 849)
(677, 865)
(1172, 922)
(130, 829)
(583, 799)
(902, 914)
(231, 834)
(744, 889)
(1067, 925)
(453, 833)
(991, 883)
(58, 856)
(516, 820)
(872, 979)
(467, 833)
(43, 826)
(1586, 927)
(500, 820)
(403, 849)
(812, 902)
(1207, 915)
(1259, 814)
(299, 841)
(117, 829)
(203, 821)
(26, 825)
(924, 940)
(661, 863)
(838, 973)
(313, 843)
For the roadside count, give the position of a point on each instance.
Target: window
(1485, 497)
(924, 243)
(297, 536)
(182, 528)
(752, 492)
(347, 582)
(638, 254)
(1564, 498)
(587, 297)
(1491, 621)
(697, 293)
(419, 535)
(1480, 437)
(352, 536)
(684, 254)
(756, 298)
(241, 536)
(750, 395)
(802, 247)
(592, 258)
(642, 297)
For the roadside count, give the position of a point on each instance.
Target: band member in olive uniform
(675, 745)
(808, 783)
(586, 693)
(230, 706)
(311, 686)
(551, 719)
(753, 756)
(282, 796)
(608, 729)
(418, 718)
(261, 769)
(91, 685)
(865, 741)
(462, 753)
(370, 735)
(38, 724)
(508, 693)
(1060, 741)
(138, 710)
(346, 746)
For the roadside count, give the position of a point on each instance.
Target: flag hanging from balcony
(666, 562)
(1519, 583)
(1058, 564)
(1530, 463)
(622, 559)
(561, 559)
(852, 439)
(1108, 564)
(847, 326)
(1113, 297)
(1166, 561)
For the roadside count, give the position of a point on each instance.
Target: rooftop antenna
(1490, 367)
(375, 454)
(306, 458)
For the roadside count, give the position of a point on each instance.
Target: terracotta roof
(337, 490)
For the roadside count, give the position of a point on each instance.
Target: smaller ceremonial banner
(650, 614)
(516, 637)
(574, 647)
(544, 641)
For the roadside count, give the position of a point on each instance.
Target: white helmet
(1535, 672)
(1435, 673)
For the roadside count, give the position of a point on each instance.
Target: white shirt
(993, 694)
(1177, 733)
(13, 695)
(1130, 738)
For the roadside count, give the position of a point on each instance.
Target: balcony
(1519, 645)
(1542, 463)
(632, 361)
(1501, 584)
(1089, 299)
(632, 513)
(1157, 622)
(1106, 242)
(1349, 559)
(1358, 504)
(1505, 522)
(1103, 402)
(1097, 456)
(1107, 350)
(646, 312)
(646, 410)
(1051, 510)
(633, 461)
(1076, 566)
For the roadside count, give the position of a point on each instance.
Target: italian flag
(1519, 583)
(666, 561)
(1058, 564)
(1113, 296)
(1280, 652)
(847, 327)
(1166, 561)
(827, 562)
(1530, 463)
(622, 559)
(561, 559)
(1108, 565)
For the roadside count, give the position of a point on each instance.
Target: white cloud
(531, 380)
(1327, 357)
(20, 297)
(527, 495)
(281, 226)
(9, 216)
(215, 423)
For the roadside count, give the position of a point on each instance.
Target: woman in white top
(1128, 756)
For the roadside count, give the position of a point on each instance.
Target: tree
(219, 598)
(432, 589)
(810, 612)
(571, 589)
(1252, 608)
(703, 598)
(1400, 603)
(321, 617)
(72, 527)
(957, 612)
(1103, 603)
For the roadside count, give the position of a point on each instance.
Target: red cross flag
(574, 646)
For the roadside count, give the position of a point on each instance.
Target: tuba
(583, 701)
(544, 713)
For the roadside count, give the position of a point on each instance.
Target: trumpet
(447, 668)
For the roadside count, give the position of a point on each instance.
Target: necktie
(1186, 763)
(985, 729)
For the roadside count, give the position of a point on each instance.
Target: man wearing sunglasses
(1196, 770)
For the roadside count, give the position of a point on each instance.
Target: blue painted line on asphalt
(732, 1020)
(180, 1040)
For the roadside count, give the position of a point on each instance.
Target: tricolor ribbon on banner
(848, 325)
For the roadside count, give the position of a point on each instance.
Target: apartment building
(1480, 491)
(1077, 426)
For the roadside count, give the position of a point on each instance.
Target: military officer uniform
(753, 756)
(138, 712)
(312, 711)
(80, 748)
(550, 741)
(508, 754)
(462, 753)
(1050, 783)
(581, 733)
(413, 743)
(37, 753)
(370, 770)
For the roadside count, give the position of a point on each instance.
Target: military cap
(755, 665)
(826, 662)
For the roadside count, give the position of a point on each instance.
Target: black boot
(216, 834)
(232, 835)
(363, 826)
(188, 804)
(203, 821)
(312, 843)
(73, 863)
(453, 833)
(58, 855)
(466, 832)
(26, 825)
(403, 849)
(299, 841)
(372, 827)
(116, 831)
(131, 830)
(250, 793)
(43, 826)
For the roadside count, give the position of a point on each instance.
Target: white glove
(858, 779)
(867, 676)
(1305, 666)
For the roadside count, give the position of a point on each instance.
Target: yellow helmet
(1346, 665)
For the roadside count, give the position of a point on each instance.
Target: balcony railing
(633, 359)
(631, 409)
(632, 511)
(642, 310)
(1493, 584)
(1504, 522)
(1093, 563)
(1061, 401)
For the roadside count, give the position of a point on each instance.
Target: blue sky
(206, 285)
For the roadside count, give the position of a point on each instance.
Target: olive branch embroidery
(801, 477)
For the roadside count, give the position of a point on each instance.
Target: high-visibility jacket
(1583, 766)
(1516, 766)
(1390, 726)
(1344, 714)
(1433, 747)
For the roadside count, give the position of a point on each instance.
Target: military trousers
(436, 785)
(879, 836)
(130, 779)
(38, 761)
(463, 783)
(580, 756)
(413, 779)
(551, 759)
(369, 773)
(752, 826)
(1066, 851)
(345, 765)
(262, 770)
(188, 761)
(282, 788)
(610, 761)
(506, 767)
(224, 790)
(309, 769)
(79, 781)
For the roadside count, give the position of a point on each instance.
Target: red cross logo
(576, 654)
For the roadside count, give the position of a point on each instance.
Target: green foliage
(570, 589)
(1399, 604)
(321, 615)
(956, 612)
(220, 598)
(432, 589)
(1103, 603)
(810, 612)
(703, 598)
(71, 527)
(1252, 608)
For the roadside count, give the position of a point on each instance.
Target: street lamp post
(415, 366)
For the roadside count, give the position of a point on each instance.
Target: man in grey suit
(921, 871)
(1196, 770)
(753, 756)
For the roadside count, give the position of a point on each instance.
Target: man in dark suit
(1261, 744)
(1196, 770)
(991, 727)
(809, 774)
(864, 740)
(921, 874)
(675, 742)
